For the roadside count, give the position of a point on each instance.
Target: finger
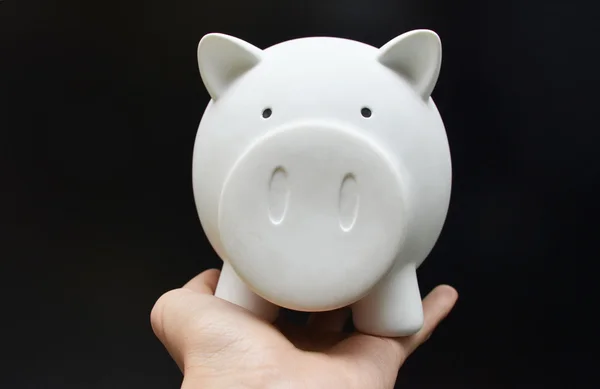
(171, 317)
(380, 358)
(332, 321)
(205, 282)
(436, 307)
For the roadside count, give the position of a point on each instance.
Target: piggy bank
(322, 174)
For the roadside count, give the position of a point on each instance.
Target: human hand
(217, 344)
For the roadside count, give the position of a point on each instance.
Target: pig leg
(231, 288)
(393, 308)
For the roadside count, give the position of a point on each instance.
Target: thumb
(378, 359)
(436, 306)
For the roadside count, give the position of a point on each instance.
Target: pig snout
(313, 215)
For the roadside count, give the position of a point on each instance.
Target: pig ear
(222, 59)
(416, 55)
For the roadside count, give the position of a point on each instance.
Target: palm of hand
(217, 344)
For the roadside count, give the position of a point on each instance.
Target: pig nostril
(348, 202)
(267, 113)
(279, 193)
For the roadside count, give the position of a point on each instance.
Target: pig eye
(366, 112)
(267, 113)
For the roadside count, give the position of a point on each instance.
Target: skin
(219, 345)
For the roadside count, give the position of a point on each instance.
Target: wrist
(233, 380)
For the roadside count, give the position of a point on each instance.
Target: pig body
(322, 174)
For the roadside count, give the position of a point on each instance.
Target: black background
(100, 103)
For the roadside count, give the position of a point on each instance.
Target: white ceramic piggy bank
(322, 174)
